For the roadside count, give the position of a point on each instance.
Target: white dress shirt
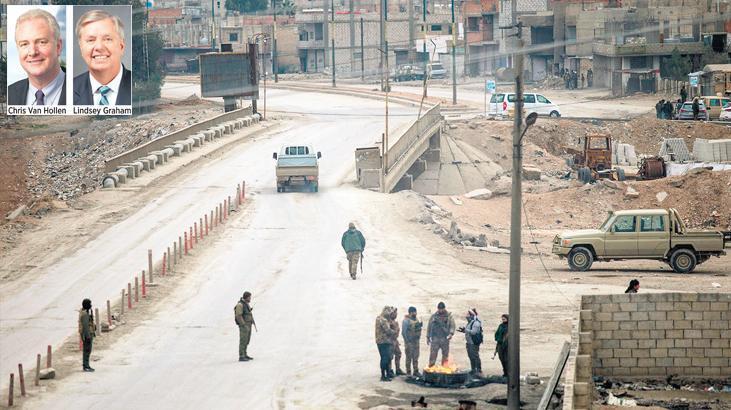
(51, 92)
(113, 85)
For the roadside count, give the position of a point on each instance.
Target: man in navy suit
(101, 41)
(38, 38)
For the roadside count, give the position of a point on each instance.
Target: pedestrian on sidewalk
(86, 332)
(583, 79)
(473, 337)
(668, 110)
(501, 343)
(244, 319)
(658, 109)
(683, 94)
(634, 286)
(353, 244)
(696, 108)
(439, 332)
(411, 332)
(384, 332)
(590, 78)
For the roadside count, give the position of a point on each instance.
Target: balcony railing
(310, 44)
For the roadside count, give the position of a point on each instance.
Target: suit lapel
(125, 93)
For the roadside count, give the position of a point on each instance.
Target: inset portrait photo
(36, 55)
(102, 55)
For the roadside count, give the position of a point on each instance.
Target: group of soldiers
(439, 332)
(571, 79)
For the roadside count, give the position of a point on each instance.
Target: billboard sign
(228, 75)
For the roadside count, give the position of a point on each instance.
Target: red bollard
(170, 260)
(10, 390)
(243, 191)
(21, 378)
(49, 361)
(149, 263)
(225, 209)
(215, 221)
(185, 238)
(190, 238)
(38, 370)
(211, 220)
(109, 312)
(195, 233)
(137, 289)
(144, 287)
(206, 219)
(164, 263)
(201, 225)
(129, 296)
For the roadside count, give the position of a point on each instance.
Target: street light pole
(275, 67)
(332, 38)
(515, 226)
(454, 57)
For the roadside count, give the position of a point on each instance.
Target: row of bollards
(184, 244)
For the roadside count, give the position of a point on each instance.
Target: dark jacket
(18, 92)
(86, 325)
(353, 241)
(501, 334)
(83, 94)
(440, 326)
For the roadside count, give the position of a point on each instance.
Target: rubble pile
(550, 83)
(645, 133)
(75, 164)
(707, 393)
(701, 197)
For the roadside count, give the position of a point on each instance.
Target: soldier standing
(86, 332)
(244, 319)
(501, 344)
(438, 334)
(411, 331)
(394, 341)
(384, 333)
(353, 244)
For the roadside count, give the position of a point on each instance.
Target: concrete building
(623, 42)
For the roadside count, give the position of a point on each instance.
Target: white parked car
(503, 104)
(725, 113)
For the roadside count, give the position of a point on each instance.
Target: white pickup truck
(297, 165)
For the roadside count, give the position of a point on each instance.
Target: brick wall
(659, 334)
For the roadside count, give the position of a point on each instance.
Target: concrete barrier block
(176, 148)
(161, 157)
(145, 164)
(110, 180)
(209, 135)
(370, 178)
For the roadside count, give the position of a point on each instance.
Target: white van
(503, 104)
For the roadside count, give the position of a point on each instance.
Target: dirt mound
(701, 198)
(645, 133)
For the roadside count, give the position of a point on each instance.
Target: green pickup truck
(657, 234)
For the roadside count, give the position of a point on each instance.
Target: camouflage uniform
(87, 334)
(244, 319)
(384, 333)
(393, 323)
(411, 331)
(440, 329)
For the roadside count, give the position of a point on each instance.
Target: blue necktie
(104, 90)
(40, 97)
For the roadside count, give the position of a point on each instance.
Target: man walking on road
(473, 336)
(86, 332)
(438, 334)
(501, 344)
(244, 319)
(683, 94)
(353, 243)
(394, 341)
(384, 333)
(411, 331)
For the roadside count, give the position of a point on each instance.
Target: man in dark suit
(38, 38)
(101, 41)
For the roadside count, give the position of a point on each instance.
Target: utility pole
(275, 66)
(388, 87)
(362, 60)
(515, 222)
(325, 33)
(423, 49)
(213, 25)
(454, 58)
(332, 38)
(351, 10)
(382, 47)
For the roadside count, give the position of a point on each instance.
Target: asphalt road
(43, 309)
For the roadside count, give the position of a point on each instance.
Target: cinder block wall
(659, 334)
